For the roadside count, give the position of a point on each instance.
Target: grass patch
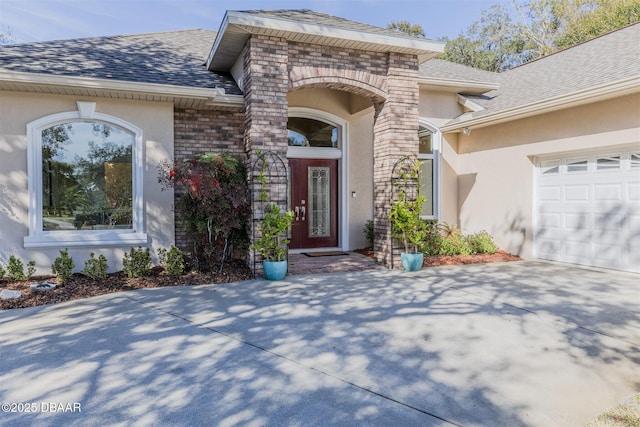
(627, 414)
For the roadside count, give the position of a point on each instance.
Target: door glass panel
(319, 202)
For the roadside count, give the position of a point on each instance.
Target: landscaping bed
(80, 286)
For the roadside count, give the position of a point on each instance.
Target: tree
(406, 27)
(496, 42)
(6, 37)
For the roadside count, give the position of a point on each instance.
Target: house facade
(545, 157)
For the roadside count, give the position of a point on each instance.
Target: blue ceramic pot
(274, 270)
(412, 262)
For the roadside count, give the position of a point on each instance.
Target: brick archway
(365, 84)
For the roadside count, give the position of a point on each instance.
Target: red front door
(314, 200)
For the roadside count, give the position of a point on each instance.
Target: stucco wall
(359, 153)
(496, 163)
(18, 109)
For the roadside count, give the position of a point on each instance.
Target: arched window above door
(307, 132)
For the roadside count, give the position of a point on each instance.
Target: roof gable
(307, 26)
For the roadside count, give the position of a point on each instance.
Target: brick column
(266, 83)
(395, 135)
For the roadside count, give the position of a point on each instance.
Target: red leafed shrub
(212, 204)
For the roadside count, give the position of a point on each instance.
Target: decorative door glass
(319, 202)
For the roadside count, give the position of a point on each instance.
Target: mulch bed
(438, 260)
(79, 286)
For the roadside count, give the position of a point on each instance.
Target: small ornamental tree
(212, 204)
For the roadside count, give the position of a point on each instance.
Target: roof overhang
(595, 94)
(470, 87)
(190, 97)
(237, 27)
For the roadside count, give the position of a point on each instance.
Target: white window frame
(39, 238)
(436, 141)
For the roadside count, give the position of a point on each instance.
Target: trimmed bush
(137, 262)
(63, 266)
(96, 268)
(2, 272)
(15, 269)
(172, 260)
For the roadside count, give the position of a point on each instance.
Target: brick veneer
(205, 131)
(272, 67)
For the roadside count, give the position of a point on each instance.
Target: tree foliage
(406, 27)
(213, 204)
(506, 37)
(6, 37)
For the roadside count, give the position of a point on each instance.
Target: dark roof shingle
(171, 58)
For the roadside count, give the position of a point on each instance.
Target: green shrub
(96, 268)
(63, 266)
(431, 244)
(137, 262)
(15, 269)
(2, 272)
(452, 242)
(482, 243)
(172, 260)
(369, 233)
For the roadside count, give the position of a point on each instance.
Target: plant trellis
(269, 184)
(403, 179)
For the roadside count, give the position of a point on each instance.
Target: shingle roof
(172, 58)
(440, 68)
(317, 18)
(607, 59)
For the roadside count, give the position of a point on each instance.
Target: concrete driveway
(512, 344)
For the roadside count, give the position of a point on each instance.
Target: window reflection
(311, 133)
(86, 177)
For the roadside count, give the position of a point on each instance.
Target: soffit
(180, 96)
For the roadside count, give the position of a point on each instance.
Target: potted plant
(272, 243)
(407, 226)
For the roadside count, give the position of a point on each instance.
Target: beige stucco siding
(496, 164)
(17, 110)
(359, 153)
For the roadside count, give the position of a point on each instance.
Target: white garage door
(588, 209)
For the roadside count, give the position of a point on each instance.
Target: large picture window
(85, 181)
(428, 155)
(86, 177)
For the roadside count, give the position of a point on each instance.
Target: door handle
(304, 210)
(297, 211)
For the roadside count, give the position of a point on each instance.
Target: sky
(42, 20)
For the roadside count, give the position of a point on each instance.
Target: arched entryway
(317, 165)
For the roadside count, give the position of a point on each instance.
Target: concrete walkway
(513, 344)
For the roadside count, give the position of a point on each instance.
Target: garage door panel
(550, 193)
(576, 222)
(608, 192)
(633, 190)
(590, 216)
(576, 193)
